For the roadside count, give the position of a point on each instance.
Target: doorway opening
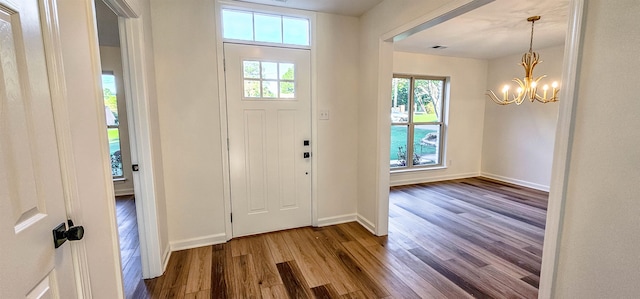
(117, 127)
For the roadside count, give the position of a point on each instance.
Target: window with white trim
(268, 80)
(417, 121)
(113, 123)
(264, 28)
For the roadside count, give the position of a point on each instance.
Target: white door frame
(131, 29)
(564, 129)
(222, 96)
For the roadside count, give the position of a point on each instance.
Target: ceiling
(107, 25)
(353, 8)
(494, 30)
(497, 29)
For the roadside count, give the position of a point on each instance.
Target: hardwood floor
(454, 239)
(129, 243)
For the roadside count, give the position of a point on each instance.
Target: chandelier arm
(494, 98)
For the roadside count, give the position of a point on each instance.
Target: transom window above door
(268, 80)
(264, 28)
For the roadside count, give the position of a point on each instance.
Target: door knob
(61, 234)
(306, 155)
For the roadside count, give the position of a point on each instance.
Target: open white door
(269, 123)
(31, 191)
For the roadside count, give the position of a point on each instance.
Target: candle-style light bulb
(545, 87)
(554, 85)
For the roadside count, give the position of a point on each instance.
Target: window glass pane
(398, 146)
(295, 31)
(287, 71)
(400, 100)
(114, 151)
(251, 69)
(269, 89)
(110, 100)
(268, 28)
(426, 144)
(251, 89)
(237, 24)
(287, 90)
(427, 100)
(269, 70)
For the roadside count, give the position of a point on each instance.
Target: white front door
(269, 123)
(31, 193)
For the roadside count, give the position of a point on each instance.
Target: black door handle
(306, 155)
(61, 234)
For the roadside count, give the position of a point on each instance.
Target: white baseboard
(165, 258)
(366, 224)
(420, 180)
(337, 220)
(122, 192)
(198, 242)
(515, 181)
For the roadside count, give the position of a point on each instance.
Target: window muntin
(268, 80)
(417, 137)
(109, 91)
(266, 28)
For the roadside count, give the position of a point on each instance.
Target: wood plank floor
(129, 243)
(454, 239)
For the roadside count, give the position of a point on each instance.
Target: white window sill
(409, 170)
(119, 179)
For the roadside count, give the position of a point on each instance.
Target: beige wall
(186, 68)
(599, 254)
(111, 60)
(518, 140)
(187, 87)
(337, 90)
(465, 113)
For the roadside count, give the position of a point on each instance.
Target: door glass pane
(110, 100)
(251, 89)
(269, 70)
(427, 100)
(269, 89)
(251, 69)
(295, 31)
(287, 90)
(287, 71)
(426, 144)
(114, 151)
(398, 146)
(400, 100)
(268, 28)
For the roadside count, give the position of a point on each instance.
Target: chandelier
(528, 87)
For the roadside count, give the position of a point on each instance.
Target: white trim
(222, 97)
(564, 138)
(224, 136)
(137, 97)
(57, 85)
(420, 180)
(123, 192)
(515, 181)
(165, 257)
(326, 221)
(198, 242)
(366, 224)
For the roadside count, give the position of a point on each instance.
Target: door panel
(31, 193)
(269, 117)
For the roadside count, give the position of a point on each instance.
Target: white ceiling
(107, 25)
(354, 8)
(497, 29)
